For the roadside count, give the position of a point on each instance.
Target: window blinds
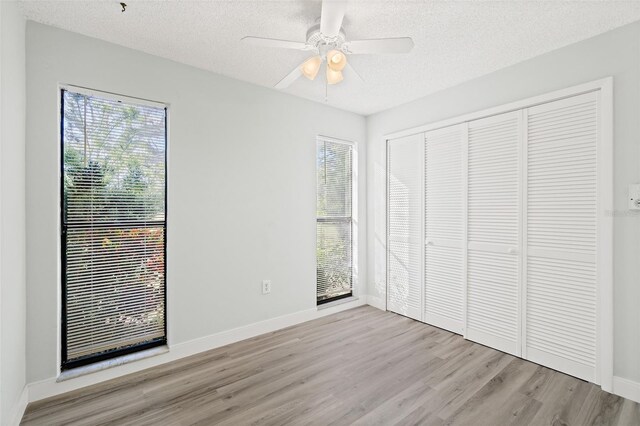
(334, 229)
(113, 227)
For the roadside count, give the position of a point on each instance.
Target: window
(334, 223)
(113, 226)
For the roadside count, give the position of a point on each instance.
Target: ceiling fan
(328, 43)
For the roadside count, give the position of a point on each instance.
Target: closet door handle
(512, 250)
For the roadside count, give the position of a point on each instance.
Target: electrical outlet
(266, 286)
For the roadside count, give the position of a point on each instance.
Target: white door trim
(513, 106)
(605, 237)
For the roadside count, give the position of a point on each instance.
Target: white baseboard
(18, 410)
(376, 302)
(626, 388)
(49, 387)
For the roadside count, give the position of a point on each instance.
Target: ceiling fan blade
(379, 45)
(289, 78)
(352, 72)
(332, 16)
(273, 42)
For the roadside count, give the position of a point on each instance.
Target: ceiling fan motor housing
(324, 43)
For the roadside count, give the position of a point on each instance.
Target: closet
(444, 228)
(404, 226)
(493, 261)
(561, 235)
(493, 225)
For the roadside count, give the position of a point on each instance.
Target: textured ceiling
(455, 41)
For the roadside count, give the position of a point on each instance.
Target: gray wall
(241, 187)
(12, 210)
(617, 54)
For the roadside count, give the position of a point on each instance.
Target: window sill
(109, 363)
(337, 302)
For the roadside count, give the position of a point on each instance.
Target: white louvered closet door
(405, 232)
(561, 225)
(493, 268)
(444, 228)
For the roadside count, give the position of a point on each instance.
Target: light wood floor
(361, 366)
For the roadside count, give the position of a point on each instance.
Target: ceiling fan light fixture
(328, 42)
(333, 77)
(311, 66)
(336, 60)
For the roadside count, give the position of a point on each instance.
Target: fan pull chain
(326, 91)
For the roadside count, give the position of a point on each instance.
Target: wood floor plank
(600, 408)
(490, 402)
(361, 366)
(629, 414)
(392, 410)
(562, 398)
(464, 385)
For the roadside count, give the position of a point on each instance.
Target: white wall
(12, 212)
(617, 54)
(241, 188)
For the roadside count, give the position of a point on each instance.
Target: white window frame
(354, 220)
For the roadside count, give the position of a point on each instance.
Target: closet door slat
(444, 228)
(405, 157)
(493, 268)
(561, 230)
